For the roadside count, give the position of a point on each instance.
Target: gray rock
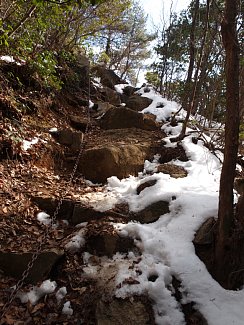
(129, 90)
(169, 153)
(83, 213)
(239, 185)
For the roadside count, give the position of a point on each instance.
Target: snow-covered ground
(166, 245)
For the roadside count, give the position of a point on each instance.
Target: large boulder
(138, 103)
(121, 160)
(80, 123)
(120, 118)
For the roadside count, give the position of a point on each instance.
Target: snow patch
(36, 293)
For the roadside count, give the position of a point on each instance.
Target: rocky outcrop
(121, 117)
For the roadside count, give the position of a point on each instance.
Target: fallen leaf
(37, 307)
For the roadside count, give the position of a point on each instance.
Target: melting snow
(44, 218)
(27, 144)
(36, 293)
(166, 245)
(67, 310)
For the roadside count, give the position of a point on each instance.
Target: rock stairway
(122, 140)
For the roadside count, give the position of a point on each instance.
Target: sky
(158, 9)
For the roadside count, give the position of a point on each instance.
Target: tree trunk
(188, 91)
(226, 213)
(242, 92)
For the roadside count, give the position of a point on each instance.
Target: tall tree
(175, 61)
(188, 92)
(124, 45)
(226, 208)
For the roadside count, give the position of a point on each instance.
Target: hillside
(91, 180)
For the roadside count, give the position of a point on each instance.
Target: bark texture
(226, 213)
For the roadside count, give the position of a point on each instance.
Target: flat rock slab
(14, 264)
(121, 118)
(124, 312)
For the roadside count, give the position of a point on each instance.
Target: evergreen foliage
(173, 52)
(38, 31)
